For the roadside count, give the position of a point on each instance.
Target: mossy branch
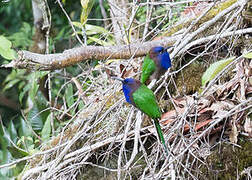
(210, 14)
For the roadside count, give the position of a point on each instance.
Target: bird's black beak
(165, 49)
(117, 78)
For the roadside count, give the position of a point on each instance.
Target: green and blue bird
(140, 96)
(155, 64)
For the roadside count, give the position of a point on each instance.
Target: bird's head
(157, 50)
(129, 81)
(161, 55)
(130, 85)
(126, 81)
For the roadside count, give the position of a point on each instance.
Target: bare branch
(34, 61)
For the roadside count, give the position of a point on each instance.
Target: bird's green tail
(160, 135)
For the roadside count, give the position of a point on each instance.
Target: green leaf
(17, 153)
(35, 117)
(214, 69)
(13, 132)
(92, 29)
(23, 91)
(21, 85)
(42, 103)
(77, 24)
(15, 74)
(86, 8)
(22, 38)
(46, 131)
(6, 158)
(34, 86)
(4, 43)
(11, 76)
(4, 137)
(10, 84)
(24, 129)
(5, 48)
(248, 55)
(27, 143)
(38, 113)
(8, 53)
(101, 42)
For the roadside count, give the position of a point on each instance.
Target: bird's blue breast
(127, 93)
(165, 60)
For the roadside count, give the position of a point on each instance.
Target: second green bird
(155, 64)
(144, 99)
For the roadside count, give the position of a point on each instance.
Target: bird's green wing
(148, 68)
(146, 101)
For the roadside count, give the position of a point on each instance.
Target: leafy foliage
(87, 5)
(5, 48)
(95, 33)
(214, 69)
(248, 55)
(22, 38)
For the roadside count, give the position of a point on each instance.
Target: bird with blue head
(140, 96)
(155, 64)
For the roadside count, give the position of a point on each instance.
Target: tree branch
(34, 61)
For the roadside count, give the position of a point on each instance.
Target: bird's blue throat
(127, 90)
(165, 61)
